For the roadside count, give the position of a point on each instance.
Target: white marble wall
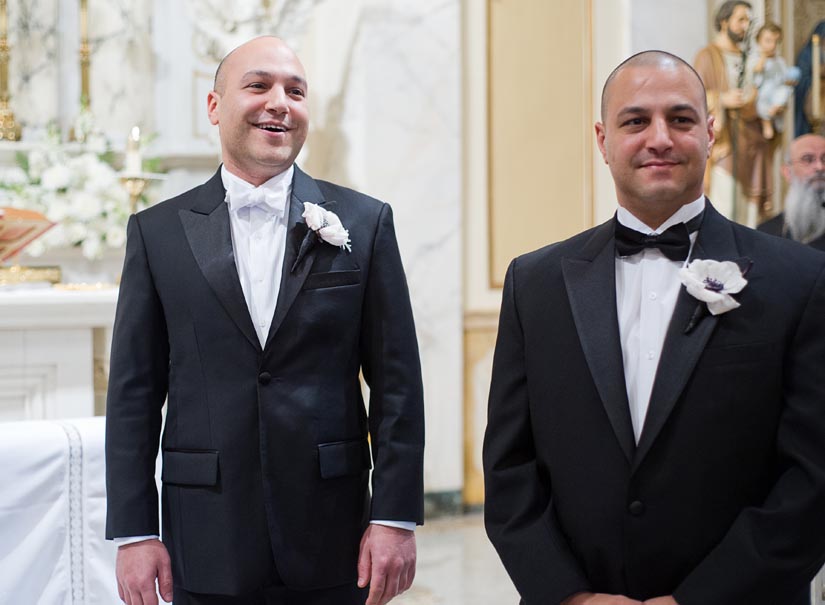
(34, 84)
(386, 88)
(45, 64)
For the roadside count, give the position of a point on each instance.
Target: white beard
(804, 211)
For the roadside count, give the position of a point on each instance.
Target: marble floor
(457, 566)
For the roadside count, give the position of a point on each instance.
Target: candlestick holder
(135, 183)
(9, 128)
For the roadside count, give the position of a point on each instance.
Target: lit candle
(134, 163)
(816, 102)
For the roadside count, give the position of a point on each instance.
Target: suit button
(636, 508)
(264, 377)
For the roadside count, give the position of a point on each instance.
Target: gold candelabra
(9, 128)
(85, 54)
(134, 185)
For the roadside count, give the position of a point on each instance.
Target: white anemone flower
(714, 282)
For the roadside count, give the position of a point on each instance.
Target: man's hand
(598, 598)
(733, 98)
(668, 600)
(386, 562)
(137, 567)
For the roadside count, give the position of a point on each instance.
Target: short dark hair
(725, 11)
(770, 27)
(650, 58)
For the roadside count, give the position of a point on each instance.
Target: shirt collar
(280, 184)
(682, 215)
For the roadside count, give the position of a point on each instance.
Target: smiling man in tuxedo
(253, 302)
(640, 448)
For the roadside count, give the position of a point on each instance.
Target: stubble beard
(804, 211)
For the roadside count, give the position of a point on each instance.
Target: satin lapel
(299, 242)
(591, 288)
(682, 348)
(207, 229)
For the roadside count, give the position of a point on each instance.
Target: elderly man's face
(656, 137)
(805, 200)
(807, 160)
(260, 108)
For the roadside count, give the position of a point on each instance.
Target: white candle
(816, 102)
(134, 162)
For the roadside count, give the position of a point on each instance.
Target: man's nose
(659, 135)
(277, 101)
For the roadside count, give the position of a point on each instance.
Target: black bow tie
(674, 242)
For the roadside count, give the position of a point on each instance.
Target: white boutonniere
(714, 282)
(326, 226)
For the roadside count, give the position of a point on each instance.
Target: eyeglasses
(809, 159)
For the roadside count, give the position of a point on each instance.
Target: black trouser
(279, 595)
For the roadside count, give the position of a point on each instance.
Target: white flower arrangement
(713, 283)
(326, 225)
(74, 187)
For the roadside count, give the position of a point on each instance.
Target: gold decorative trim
(16, 274)
(85, 287)
(589, 148)
(488, 32)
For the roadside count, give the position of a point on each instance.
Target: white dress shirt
(259, 241)
(647, 285)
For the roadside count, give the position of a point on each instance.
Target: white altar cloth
(52, 514)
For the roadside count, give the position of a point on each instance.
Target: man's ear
(711, 132)
(212, 102)
(600, 134)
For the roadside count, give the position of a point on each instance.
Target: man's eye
(634, 122)
(297, 92)
(258, 85)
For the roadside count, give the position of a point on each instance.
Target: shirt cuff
(132, 539)
(408, 525)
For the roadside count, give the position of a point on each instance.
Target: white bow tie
(265, 199)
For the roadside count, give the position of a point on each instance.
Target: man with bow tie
(253, 302)
(650, 443)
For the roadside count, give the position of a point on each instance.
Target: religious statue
(774, 80)
(739, 178)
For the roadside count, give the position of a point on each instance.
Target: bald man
(252, 303)
(646, 444)
(804, 216)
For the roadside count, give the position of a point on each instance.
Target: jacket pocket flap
(190, 467)
(738, 354)
(343, 458)
(331, 279)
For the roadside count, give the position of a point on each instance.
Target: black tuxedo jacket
(722, 500)
(776, 226)
(265, 450)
